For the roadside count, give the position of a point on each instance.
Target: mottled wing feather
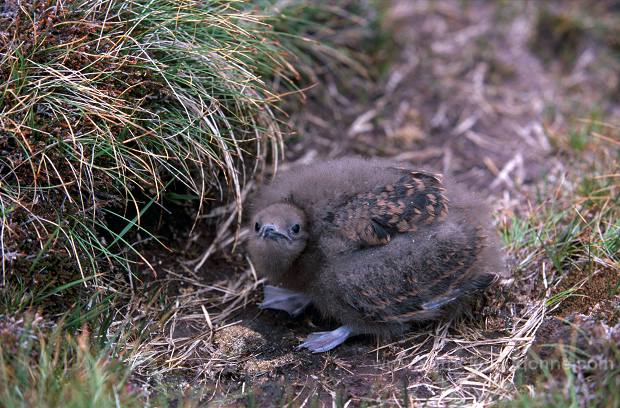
(368, 219)
(453, 278)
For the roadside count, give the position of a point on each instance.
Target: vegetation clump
(109, 107)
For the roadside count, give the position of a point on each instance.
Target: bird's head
(279, 235)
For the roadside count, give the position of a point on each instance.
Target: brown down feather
(383, 245)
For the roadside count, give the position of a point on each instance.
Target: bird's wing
(454, 276)
(367, 219)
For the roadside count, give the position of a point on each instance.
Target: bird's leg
(283, 299)
(324, 341)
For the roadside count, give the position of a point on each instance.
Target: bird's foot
(277, 298)
(324, 341)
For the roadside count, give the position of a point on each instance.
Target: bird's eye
(295, 228)
(256, 227)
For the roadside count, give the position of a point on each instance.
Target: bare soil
(601, 287)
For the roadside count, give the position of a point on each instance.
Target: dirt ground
(468, 95)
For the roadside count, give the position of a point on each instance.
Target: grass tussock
(107, 106)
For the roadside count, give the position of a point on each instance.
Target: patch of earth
(592, 291)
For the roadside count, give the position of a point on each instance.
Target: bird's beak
(271, 231)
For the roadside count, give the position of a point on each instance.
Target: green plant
(110, 105)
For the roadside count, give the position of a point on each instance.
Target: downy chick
(371, 244)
